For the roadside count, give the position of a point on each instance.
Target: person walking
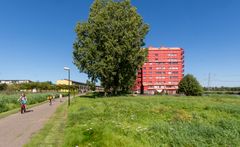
(60, 97)
(23, 102)
(50, 99)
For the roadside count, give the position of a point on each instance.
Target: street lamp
(68, 69)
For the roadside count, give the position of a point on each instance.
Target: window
(159, 72)
(173, 67)
(150, 67)
(173, 77)
(156, 54)
(160, 77)
(171, 55)
(172, 59)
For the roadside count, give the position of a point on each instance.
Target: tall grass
(154, 121)
(9, 101)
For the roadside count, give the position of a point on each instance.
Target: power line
(229, 81)
(209, 79)
(231, 75)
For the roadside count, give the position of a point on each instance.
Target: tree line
(222, 88)
(38, 86)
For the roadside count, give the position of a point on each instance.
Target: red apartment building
(162, 72)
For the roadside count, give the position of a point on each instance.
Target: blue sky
(36, 36)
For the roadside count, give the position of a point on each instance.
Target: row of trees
(38, 86)
(222, 88)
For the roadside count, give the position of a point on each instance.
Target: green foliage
(222, 88)
(108, 45)
(190, 86)
(3, 87)
(30, 86)
(39, 86)
(92, 85)
(154, 121)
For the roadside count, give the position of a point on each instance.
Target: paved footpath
(17, 129)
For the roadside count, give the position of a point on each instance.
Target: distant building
(65, 82)
(82, 86)
(162, 71)
(14, 81)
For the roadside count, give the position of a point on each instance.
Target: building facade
(81, 86)
(162, 72)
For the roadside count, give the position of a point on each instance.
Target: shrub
(190, 86)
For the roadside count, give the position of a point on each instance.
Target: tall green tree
(190, 86)
(108, 45)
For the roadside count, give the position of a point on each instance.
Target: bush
(3, 87)
(190, 86)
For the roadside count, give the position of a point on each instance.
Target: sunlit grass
(154, 121)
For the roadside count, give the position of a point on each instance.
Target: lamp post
(68, 69)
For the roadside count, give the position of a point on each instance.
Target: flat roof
(164, 48)
(73, 81)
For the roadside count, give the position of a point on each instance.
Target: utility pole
(209, 79)
(68, 69)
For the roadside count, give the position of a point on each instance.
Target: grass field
(151, 121)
